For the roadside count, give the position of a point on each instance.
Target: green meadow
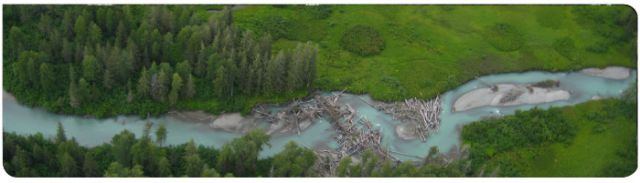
(428, 50)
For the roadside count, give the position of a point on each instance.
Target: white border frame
(635, 177)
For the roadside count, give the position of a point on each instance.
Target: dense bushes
(277, 26)
(523, 143)
(362, 40)
(320, 12)
(524, 129)
(504, 37)
(615, 24)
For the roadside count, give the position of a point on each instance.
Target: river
(90, 132)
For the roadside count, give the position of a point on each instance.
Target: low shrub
(504, 37)
(565, 47)
(362, 40)
(277, 26)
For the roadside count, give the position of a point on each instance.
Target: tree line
(129, 156)
(82, 59)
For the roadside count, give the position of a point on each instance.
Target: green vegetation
(390, 52)
(146, 60)
(596, 138)
(110, 60)
(128, 156)
(504, 37)
(362, 40)
(431, 49)
(565, 47)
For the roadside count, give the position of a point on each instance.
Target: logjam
(425, 114)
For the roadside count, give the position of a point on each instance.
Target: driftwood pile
(424, 114)
(292, 114)
(511, 95)
(353, 135)
(351, 138)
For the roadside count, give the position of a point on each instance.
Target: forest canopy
(146, 59)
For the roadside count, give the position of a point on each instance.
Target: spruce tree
(176, 87)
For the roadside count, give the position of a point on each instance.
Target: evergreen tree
(84, 90)
(241, 155)
(80, 29)
(255, 76)
(243, 82)
(20, 164)
(67, 24)
(176, 87)
(67, 51)
(293, 161)
(14, 43)
(95, 34)
(117, 170)
(311, 51)
(184, 69)
(107, 81)
(200, 65)
(144, 83)
(190, 88)
(121, 34)
(90, 68)
(164, 167)
(161, 134)
(211, 68)
(47, 77)
(74, 92)
(275, 74)
(193, 164)
(265, 46)
(220, 83)
(159, 86)
(60, 134)
(90, 166)
(227, 17)
(209, 172)
(295, 70)
(68, 166)
(130, 95)
(143, 153)
(248, 45)
(122, 143)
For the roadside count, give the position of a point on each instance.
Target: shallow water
(91, 132)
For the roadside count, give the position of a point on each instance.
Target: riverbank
(7, 96)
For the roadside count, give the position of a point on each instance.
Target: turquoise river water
(90, 132)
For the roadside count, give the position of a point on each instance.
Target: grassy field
(591, 151)
(431, 49)
(594, 151)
